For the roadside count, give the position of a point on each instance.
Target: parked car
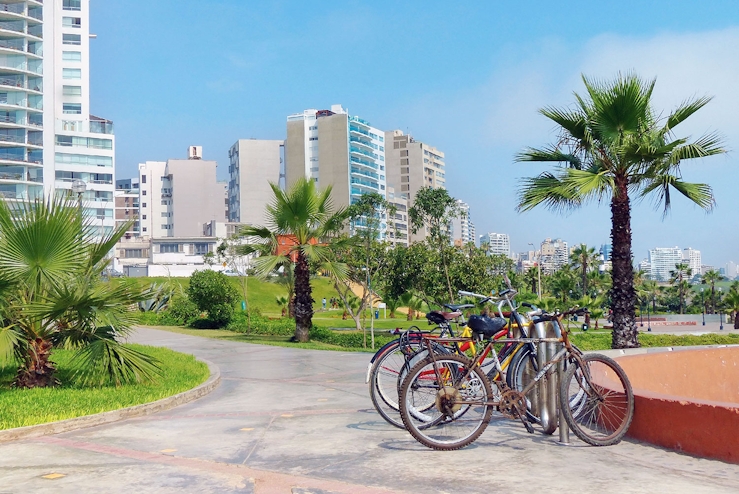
(231, 272)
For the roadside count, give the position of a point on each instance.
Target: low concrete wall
(687, 400)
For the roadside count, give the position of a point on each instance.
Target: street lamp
(538, 266)
(703, 307)
(649, 320)
(79, 187)
(720, 311)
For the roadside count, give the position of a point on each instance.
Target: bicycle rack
(548, 388)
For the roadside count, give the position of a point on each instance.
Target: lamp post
(649, 321)
(703, 307)
(79, 187)
(641, 314)
(720, 311)
(538, 266)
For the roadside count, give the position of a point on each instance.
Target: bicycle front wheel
(444, 404)
(596, 400)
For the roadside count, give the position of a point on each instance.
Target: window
(72, 56)
(71, 39)
(71, 22)
(313, 127)
(133, 253)
(313, 138)
(168, 248)
(72, 108)
(83, 159)
(404, 152)
(143, 179)
(165, 215)
(143, 216)
(63, 140)
(72, 4)
(200, 249)
(72, 90)
(143, 192)
(143, 229)
(143, 205)
(71, 73)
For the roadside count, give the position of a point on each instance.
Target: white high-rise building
(80, 145)
(48, 137)
(463, 231)
(498, 243)
(662, 260)
(692, 258)
(731, 270)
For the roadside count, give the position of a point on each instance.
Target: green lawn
(22, 407)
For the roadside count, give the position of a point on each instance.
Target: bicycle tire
(421, 388)
(597, 401)
(521, 371)
(387, 372)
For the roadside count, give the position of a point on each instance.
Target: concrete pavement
(290, 420)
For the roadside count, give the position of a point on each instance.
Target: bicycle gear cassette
(447, 400)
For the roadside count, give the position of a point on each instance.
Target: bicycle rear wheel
(447, 413)
(383, 383)
(596, 400)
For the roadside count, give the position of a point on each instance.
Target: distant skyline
(467, 78)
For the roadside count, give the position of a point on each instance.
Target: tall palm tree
(299, 223)
(583, 258)
(613, 146)
(52, 295)
(679, 279)
(711, 277)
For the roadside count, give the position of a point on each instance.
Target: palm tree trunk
(38, 371)
(622, 291)
(303, 299)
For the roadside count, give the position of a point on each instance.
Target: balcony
(100, 125)
(373, 186)
(13, 44)
(364, 173)
(354, 149)
(13, 8)
(363, 143)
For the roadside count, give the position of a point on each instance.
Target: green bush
(347, 339)
(212, 292)
(261, 324)
(180, 311)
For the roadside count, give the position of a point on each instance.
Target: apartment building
(554, 254)
(692, 258)
(180, 196)
(398, 228)
(254, 164)
(48, 138)
(662, 260)
(412, 165)
(339, 150)
(82, 144)
(126, 198)
(497, 243)
(462, 228)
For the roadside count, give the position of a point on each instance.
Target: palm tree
(562, 284)
(583, 258)
(679, 279)
(613, 146)
(711, 277)
(52, 295)
(731, 303)
(282, 303)
(299, 221)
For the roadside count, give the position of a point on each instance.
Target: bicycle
(595, 395)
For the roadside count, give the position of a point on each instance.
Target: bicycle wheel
(447, 413)
(388, 371)
(596, 400)
(521, 372)
(383, 383)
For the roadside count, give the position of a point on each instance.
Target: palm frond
(105, 360)
(549, 154)
(575, 123)
(685, 110)
(548, 190)
(707, 145)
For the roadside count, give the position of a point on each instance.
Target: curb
(111, 416)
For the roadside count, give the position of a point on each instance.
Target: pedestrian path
(300, 421)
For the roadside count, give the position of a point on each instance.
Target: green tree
(563, 284)
(434, 209)
(584, 259)
(303, 217)
(614, 145)
(212, 292)
(52, 295)
(711, 277)
(679, 279)
(731, 304)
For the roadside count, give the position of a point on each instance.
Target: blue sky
(466, 77)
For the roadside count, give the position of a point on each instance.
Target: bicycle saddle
(486, 326)
(438, 317)
(458, 307)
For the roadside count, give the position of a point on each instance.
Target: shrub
(261, 324)
(180, 312)
(213, 293)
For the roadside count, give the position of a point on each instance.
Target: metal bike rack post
(547, 387)
(564, 429)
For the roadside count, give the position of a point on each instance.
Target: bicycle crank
(513, 405)
(447, 400)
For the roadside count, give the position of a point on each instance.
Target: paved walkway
(288, 420)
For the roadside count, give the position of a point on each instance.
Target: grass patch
(601, 340)
(22, 407)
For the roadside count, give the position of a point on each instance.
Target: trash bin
(243, 305)
(377, 314)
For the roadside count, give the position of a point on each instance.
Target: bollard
(564, 429)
